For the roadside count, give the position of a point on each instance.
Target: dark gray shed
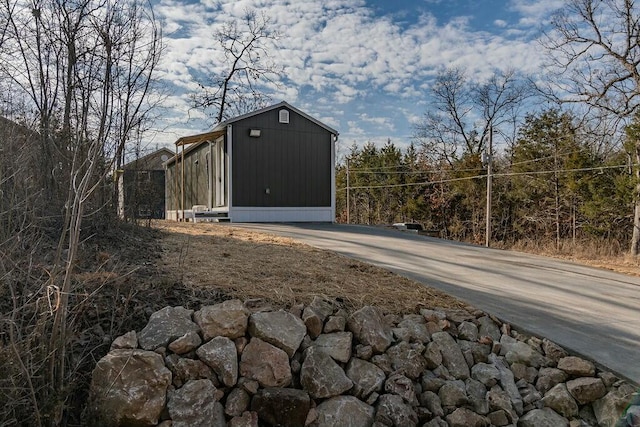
(141, 186)
(272, 165)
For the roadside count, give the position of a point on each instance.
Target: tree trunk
(635, 237)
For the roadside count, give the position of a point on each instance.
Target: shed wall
(289, 165)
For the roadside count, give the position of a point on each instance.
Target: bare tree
(86, 68)
(594, 48)
(235, 89)
(461, 112)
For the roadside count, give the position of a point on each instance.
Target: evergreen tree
(545, 195)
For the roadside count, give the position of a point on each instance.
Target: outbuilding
(141, 186)
(276, 164)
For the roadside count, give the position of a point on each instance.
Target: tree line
(553, 183)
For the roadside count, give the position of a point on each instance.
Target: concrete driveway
(592, 312)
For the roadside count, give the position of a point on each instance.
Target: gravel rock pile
(234, 364)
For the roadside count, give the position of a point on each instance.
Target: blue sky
(363, 67)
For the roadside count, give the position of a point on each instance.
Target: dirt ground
(238, 263)
(281, 272)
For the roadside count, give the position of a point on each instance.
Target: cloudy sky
(362, 67)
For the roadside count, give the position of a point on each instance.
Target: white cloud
(337, 53)
(535, 12)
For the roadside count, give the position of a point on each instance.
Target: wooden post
(348, 195)
(182, 186)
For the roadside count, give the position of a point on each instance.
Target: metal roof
(220, 129)
(281, 104)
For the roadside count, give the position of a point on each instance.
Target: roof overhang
(191, 142)
(195, 139)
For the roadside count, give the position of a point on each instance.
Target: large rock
(431, 401)
(408, 359)
(468, 331)
(477, 394)
(500, 400)
(545, 417)
(184, 369)
(313, 321)
(322, 306)
(553, 351)
(487, 374)
(488, 328)
(165, 326)
(266, 364)
(549, 378)
(367, 377)
(587, 389)
(393, 411)
(186, 343)
(508, 383)
(129, 387)
(452, 357)
(560, 400)
(577, 367)
(453, 394)
(463, 417)
(402, 386)
(527, 373)
(436, 422)
(337, 345)
(520, 352)
(413, 328)
(609, 408)
(499, 418)
(247, 419)
(531, 397)
(432, 355)
(285, 407)
(128, 340)
(194, 405)
(335, 324)
(227, 319)
(321, 376)
(369, 328)
(237, 402)
(344, 411)
(279, 328)
(220, 354)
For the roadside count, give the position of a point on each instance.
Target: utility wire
(469, 178)
(378, 169)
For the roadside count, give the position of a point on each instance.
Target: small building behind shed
(276, 164)
(141, 186)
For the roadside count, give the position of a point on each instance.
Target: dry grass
(604, 254)
(250, 265)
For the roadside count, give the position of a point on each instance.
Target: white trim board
(279, 214)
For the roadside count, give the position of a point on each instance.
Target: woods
(77, 91)
(553, 184)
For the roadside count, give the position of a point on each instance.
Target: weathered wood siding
(144, 193)
(196, 181)
(290, 160)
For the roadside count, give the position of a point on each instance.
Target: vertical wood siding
(195, 179)
(292, 160)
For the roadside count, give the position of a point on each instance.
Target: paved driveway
(593, 312)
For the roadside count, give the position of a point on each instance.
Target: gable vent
(283, 116)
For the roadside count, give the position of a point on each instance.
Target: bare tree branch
(245, 46)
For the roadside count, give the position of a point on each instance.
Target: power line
(468, 178)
